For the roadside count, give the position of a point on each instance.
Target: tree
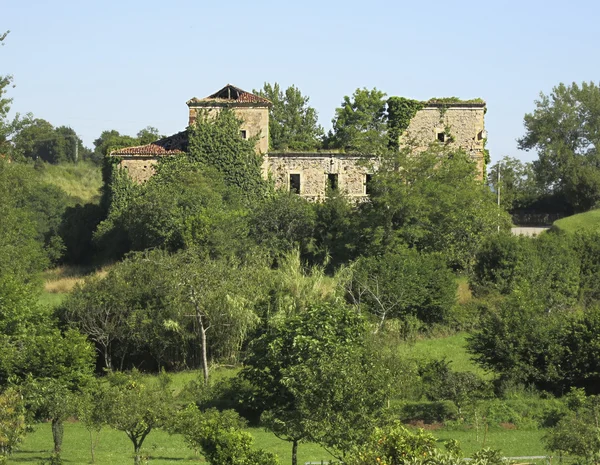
(39, 140)
(138, 406)
(213, 294)
(359, 124)
(278, 360)
(564, 130)
(441, 382)
(219, 436)
(21, 251)
(148, 135)
(578, 432)
(434, 202)
(396, 445)
(112, 140)
(129, 313)
(12, 421)
(283, 222)
(52, 366)
(402, 285)
(187, 204)
(7, 128)
(293, 125)
(93, 407)
(340, 396)
(335, 232)
(517, 183)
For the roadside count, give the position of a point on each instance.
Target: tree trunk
(137, 458)
(295, 452)
(107, 358)
(203, 349)
(58, 429)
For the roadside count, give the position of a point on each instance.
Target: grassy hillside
(588, 221)
(452, 348)
(81, 181)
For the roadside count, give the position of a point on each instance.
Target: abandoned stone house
(311, 173)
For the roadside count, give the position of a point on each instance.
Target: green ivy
(400, 112)
(216, 142)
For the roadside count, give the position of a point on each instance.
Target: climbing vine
(400, 111)
(216, 142)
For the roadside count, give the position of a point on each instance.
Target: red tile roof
(172, 145)
(231, 93)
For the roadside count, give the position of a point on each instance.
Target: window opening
(332, 181)
(244, 134)
(441, 137)
(368, 184)
(295, 183)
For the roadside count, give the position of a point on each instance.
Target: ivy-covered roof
(230, 94)
(454, 101)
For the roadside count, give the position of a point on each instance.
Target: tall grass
(81, 181)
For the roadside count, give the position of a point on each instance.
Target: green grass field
(588, 221)
(452, 348)
(161, 448)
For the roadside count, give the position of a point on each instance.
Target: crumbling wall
(255, 122)
(140, 169)
(314, 168)
(462, 126)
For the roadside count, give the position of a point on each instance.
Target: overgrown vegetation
(327, 307)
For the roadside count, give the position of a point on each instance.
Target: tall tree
(360, 123)
(39, 140)
(289, 354)
(564, 128)
(516, 181)
(138, 406)
(7, 127)
(434, 203)
(293, 125)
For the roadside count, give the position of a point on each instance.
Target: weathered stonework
(251, 109)
(461, 124)
(450, 124)
(140, 169)
(350, 172)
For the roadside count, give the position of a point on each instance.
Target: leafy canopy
(293, 125)
(564, 128)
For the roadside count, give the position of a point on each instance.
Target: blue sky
(126, 64)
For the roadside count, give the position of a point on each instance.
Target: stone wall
(140, 169)
(314, 168)
(453, 125)
(255, 122)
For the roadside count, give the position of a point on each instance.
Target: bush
(427, 412)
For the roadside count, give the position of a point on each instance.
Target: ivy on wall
(400, 112)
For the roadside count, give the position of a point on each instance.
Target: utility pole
(498, 189)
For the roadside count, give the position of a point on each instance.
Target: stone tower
(251, 109)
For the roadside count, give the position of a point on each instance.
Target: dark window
(244, 134)
(368, 184)
(295, 183)
(332, 181)
(441, 137)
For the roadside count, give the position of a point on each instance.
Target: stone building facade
(454, 124)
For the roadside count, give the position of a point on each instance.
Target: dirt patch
(426, 426)
(508, 425)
